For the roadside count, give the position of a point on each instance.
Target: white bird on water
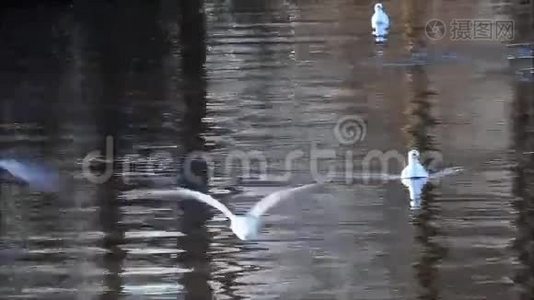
(245, 227)
(415, 177)
(414, 169)
(380, 23)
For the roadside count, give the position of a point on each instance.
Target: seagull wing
(271, 200)
(446, 172)
(36, 176)
(180, 193)
(374, 176)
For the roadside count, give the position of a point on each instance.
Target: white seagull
(245, 227)
(415, 177)
(414, 169)
(380, 24)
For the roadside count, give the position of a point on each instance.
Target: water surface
(165, 81)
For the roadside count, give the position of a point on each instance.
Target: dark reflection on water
(522, 144)
(181, 77)
(196, 240)
(419, 134)
(522, 189)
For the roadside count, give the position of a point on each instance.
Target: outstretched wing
(180, 193)
(373, 176)
(446, 172)
(271, 200)
(36, 176)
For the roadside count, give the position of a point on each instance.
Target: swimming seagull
(36, 176)
(415, 177)
(380, 24)
(245, 227)
(414, 169)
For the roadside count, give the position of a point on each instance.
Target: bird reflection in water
(415, 187)
(523, 189)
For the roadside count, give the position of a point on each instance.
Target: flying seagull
(245, 227)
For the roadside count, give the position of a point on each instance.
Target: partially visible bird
(380, 24)
(36, 176)
(414, 169)
(245, 227)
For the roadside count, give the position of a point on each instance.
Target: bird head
(413, 156)
(378, 6)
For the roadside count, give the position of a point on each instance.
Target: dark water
(165, 80)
